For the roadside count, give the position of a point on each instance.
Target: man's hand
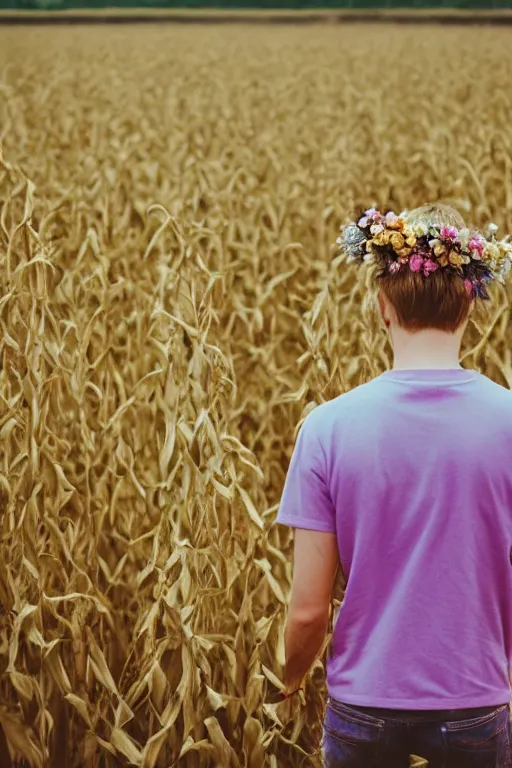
(315, 563)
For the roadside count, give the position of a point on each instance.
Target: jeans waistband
(422, 715)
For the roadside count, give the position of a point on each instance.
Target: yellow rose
(397, 241)
(382, 238)
(443, 260)
(455, 259)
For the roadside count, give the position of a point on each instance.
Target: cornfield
(170, 310)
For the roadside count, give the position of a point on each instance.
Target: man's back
(415, 478)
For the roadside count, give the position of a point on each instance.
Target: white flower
(375, 229)
(391, 219)
(492, 251)
(464, 237)
(420, 229)
(492, 228)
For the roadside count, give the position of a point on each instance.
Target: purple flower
(429, 266)
(374, 216)
(416, 262)
(371, 216)
(449, 233)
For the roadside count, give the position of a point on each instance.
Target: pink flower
(373, 214)
(449, 233)
(469, 287)
(416, 262)
(476, 244)
(363, 222)
(395, 267)
(429, 266)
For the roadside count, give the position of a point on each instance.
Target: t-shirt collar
(442, 376)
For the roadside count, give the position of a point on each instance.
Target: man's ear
(384, 309)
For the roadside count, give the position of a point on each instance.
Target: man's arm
(314, 570)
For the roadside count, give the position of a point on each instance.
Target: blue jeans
(362, 737)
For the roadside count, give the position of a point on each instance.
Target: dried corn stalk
(169, 311)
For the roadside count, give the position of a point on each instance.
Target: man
(406, 482)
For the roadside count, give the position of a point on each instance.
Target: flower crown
(396, 244)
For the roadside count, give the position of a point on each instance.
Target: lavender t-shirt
(413, 472)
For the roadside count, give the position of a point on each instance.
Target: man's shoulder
(491, 391)
(367, 396)
(325, 414)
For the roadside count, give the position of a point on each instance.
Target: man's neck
(428, 349)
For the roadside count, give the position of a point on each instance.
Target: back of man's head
(439, 301)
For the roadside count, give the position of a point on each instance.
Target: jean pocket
(350, 726)
(486, 733)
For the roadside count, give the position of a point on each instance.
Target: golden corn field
(170, 310)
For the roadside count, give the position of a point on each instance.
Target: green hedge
(234, 4)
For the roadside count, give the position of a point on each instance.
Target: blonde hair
(436, 213)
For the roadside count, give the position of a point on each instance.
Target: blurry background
(170, 309)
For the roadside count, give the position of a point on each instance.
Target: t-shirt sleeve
(306, 502)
